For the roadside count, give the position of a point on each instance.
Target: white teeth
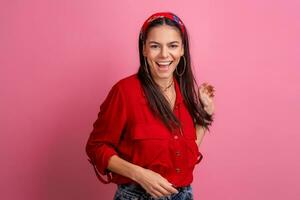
(164, 63)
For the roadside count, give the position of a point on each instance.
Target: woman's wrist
(208, 110)
(136, 172)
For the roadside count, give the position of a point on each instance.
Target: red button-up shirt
(126, 127)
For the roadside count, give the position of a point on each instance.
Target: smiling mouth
(165, 64)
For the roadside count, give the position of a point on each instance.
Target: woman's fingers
(157, 194)
(161, 192)
(211, 90)
(206, 94)
(155, 184)
(164, 189)
(167, 188)
(171, 189)
(206, 89)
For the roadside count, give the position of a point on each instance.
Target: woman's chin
(164, 70)
(164, 75)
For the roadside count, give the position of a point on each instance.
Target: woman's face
(163, 50)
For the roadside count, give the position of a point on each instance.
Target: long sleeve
(107, 130)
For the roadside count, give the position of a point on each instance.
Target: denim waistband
(135, 191)
(137, 186)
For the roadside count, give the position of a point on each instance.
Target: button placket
(179, 133)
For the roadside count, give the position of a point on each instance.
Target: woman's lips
(163, 67)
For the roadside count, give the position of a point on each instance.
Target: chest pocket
(151, 147)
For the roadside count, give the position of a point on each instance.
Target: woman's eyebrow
(159, 43)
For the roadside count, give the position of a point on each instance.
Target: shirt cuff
(200, 156)
(103, 158)
(101, 163)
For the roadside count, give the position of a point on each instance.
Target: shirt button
(177, 170)
(175, 137)
(177, 153)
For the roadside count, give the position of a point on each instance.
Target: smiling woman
(146, 134)
(163, 50)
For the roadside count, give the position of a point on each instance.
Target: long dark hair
(187, 84)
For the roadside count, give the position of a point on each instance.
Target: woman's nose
(164, 52)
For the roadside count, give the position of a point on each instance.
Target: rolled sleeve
(199, 158)
(107, 129)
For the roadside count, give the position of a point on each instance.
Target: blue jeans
(136, 192)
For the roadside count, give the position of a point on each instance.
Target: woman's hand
(206, 94)
(156, 185)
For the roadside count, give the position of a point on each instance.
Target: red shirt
(126, 127)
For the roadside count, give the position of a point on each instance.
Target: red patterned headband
(168, 15)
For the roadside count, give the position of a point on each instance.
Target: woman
(151, 123)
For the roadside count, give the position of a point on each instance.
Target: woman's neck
(164, 83)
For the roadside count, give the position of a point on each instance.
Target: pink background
(59, 58)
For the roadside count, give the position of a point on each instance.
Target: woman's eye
(153, 46)
(174, 46)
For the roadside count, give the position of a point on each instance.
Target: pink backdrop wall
(59, 58)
